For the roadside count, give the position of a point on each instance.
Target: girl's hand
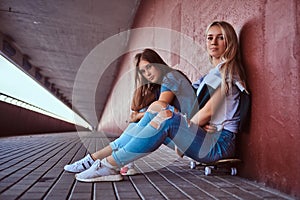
(135, 116)
(210, 128)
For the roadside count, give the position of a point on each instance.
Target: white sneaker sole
(117, 177)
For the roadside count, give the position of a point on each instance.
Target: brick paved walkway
(31, 167)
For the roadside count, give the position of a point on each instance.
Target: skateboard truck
(230, 163)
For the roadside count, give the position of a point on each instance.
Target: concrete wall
(19, 121)
(269, 36)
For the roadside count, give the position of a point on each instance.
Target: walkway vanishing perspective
(31, 167)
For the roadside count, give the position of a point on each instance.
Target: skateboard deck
(225, 165)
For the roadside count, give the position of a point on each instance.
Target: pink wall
(269, 36)
(18, 121)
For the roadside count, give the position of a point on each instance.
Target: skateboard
(229, 165)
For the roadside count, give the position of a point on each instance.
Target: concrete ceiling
(49, 40)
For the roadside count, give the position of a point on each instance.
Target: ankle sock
(107, 164)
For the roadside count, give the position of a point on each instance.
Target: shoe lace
(79, 162)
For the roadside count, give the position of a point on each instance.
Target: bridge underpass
(50, 42)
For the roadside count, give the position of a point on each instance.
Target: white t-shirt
(228, 114)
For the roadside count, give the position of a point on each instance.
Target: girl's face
(215, 42)
(150, 72)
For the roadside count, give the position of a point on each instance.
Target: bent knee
(157, 106)
(165, 114)
(160, 118)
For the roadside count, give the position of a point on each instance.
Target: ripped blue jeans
(140, 139)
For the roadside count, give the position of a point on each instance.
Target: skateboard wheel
(192, 164)
(207, 171)
(233, 171)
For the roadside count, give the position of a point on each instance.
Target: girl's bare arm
(203, 116)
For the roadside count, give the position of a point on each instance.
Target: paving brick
(31, 167)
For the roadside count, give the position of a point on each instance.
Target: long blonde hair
(232, 68)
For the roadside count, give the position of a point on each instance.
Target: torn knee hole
(155, 125)
(167, 114)
(160, 118)
(156, 107)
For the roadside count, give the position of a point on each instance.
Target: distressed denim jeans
(140, 139)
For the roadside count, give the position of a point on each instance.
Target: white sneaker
(99, 171)
(80, 165)
(128, 170)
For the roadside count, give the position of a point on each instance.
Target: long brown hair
(145, 90)
(152, 57)
(232, 67)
